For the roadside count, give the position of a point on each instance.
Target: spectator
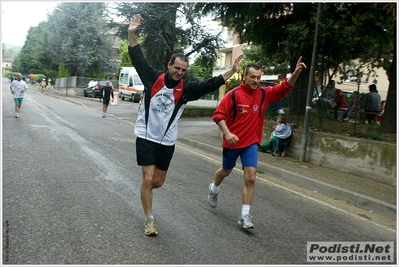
(329, 95)
(278, 138)
(372, 103)
(339, 102)
(355, 105)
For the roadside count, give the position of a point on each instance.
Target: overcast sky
(18, 16)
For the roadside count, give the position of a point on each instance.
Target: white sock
(215, 189)
(245, 209)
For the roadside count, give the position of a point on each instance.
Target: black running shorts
(151, 153)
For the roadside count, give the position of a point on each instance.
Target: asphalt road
(71, 196)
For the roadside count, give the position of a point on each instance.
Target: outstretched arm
(131, 31)
(233, 69)
(300, 66)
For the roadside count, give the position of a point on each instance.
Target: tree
(200, 70)
(124, 54)
(76, 36)
(270, 66)
(278, 30)
(168, 28)
(30, 58)
(81, 39)
(348, 31)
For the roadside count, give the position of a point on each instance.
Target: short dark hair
(178, 55)
(254, 66)
(373, 88)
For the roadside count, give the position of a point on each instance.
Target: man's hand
(300, 66)
(134, 23)
(234, 68)
(237, 62)
(232, 139)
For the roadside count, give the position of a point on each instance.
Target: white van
(130, 84)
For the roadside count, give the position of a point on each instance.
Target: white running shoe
(212, 197)
(245, 222)
(150, 226)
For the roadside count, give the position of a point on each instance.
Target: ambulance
(130, 84)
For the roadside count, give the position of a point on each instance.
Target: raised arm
(300, 66)
(233, 69)
(131, 31)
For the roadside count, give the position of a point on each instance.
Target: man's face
(331, 85)
(19, 77)
(252, 79)
(107, 84)
(178, 69)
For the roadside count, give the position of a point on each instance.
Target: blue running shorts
(248, 156)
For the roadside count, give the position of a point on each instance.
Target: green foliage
(233, 82)
(75, 34)
(347, 31)
(62, 71)
(270, 65)
(369, 134)
(124, 54)
(168, 28)
(201, 69)
(9, 73)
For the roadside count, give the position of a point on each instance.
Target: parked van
(130, 84)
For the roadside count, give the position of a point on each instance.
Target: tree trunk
(388, 123)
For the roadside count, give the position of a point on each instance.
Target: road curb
(356, 199)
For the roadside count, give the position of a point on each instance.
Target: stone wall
(368, 158)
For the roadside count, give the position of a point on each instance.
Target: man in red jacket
(240, 116)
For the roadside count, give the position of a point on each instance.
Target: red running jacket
(243, 109)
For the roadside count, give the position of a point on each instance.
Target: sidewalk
(363, 193)
(373, 196)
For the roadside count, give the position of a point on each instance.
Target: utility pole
(310, 88)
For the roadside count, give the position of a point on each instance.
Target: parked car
(94, 88)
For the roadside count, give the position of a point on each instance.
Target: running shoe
(212, 197)
(245, 222)
(150, 226)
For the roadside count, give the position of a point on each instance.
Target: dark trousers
(371, 117)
